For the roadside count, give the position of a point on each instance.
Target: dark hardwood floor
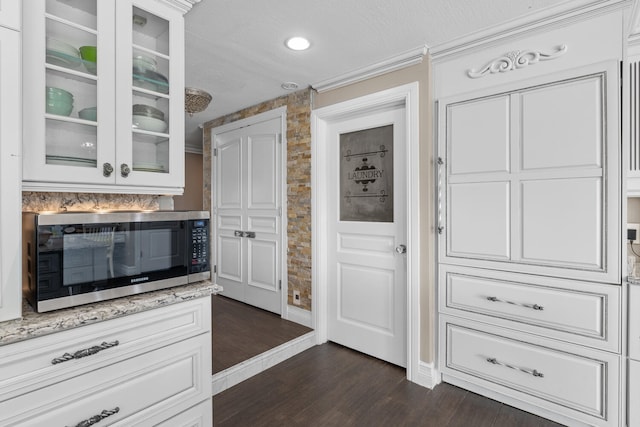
(330, 385)
(240, 332)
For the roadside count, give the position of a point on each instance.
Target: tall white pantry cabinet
(10, 161)
(529, 269)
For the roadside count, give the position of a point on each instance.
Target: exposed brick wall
(298, 183)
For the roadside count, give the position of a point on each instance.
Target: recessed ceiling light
(289, 85)
(297, 43)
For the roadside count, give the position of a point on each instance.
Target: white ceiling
(235, 48)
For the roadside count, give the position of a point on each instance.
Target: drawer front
(200, 415)
(581, 386)
(128, 391)
(634, 394)
(31, 364)
(634, 322)
(535, 304)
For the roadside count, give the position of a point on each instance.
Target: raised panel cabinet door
(562, 223)
(479, 220)
(562, 125)
(529, 179)
(478, 136)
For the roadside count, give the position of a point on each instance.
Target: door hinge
(279, 138)
(280, 211)
(279, 285)
(215, 152)
(215, 269)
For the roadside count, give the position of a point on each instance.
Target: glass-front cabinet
(103, 96)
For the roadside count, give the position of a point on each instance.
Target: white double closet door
(247, 211)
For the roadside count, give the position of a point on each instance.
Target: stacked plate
(148, 167)
(148, 79)
(149, 118)
(71, 161)
(62, 54)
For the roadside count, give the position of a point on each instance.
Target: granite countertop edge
(34, 324)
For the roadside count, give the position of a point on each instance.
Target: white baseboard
(426, 375)
(299, 315)
(245, 370)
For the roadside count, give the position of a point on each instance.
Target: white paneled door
(367, 235)
(247, 210)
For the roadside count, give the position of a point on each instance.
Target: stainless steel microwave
(78, 258)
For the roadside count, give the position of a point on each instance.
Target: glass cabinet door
(150, 116)
(65, 127)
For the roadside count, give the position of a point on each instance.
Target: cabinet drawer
(131, 390)
(577, 383)
(634, 322)
(200, 415)
(535, 304)
(29, 364)
(634, 394)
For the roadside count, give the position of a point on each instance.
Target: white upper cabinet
(530, 181)
(104, 96)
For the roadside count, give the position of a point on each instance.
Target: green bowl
(89, 114)
(54, 93)
(61, 108)
(89, 56)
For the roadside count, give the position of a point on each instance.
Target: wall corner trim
(403, 60)
(300, 316)
(426, 375)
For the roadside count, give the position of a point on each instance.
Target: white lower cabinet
(200, 415)
(142, 369)
(633, 388)
(569, 383)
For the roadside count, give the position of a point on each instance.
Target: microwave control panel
(199, 229)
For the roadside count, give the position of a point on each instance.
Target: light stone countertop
(34, 324)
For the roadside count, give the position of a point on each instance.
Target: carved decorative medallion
(514, 60)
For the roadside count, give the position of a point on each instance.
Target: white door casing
(248, 204)
(322, 119)
(367, 277)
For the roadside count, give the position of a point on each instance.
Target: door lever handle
(238, 233)
(250, 234)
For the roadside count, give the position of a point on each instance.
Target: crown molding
(561, 14)
(403, 60)
(183, 6)
(634, 23)
(193, 149)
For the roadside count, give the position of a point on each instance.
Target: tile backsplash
(67, 202)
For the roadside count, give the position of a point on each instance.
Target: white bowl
(149, 123)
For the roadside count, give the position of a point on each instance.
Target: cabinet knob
(124, 170)
(107, 169)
